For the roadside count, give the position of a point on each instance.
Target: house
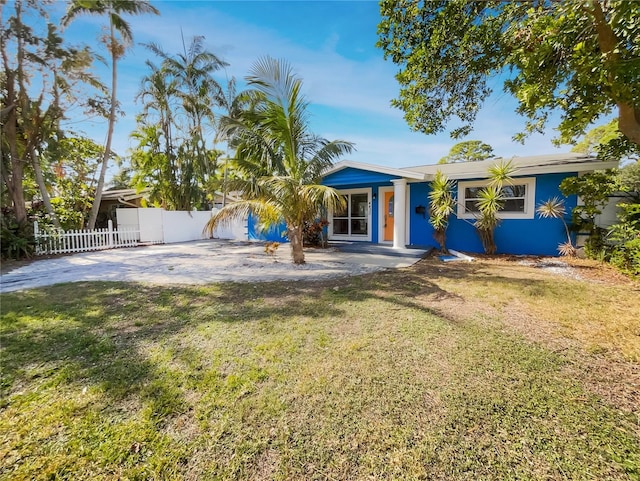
(391, 205)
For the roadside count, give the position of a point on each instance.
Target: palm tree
(191, 73)
(441, 204)
(113, 9)
(490, 203)
(278, 161)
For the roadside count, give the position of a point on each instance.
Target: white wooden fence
(61, 242)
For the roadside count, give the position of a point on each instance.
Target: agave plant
(554, 209)
(441, 203)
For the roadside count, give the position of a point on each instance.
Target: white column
(399, 213)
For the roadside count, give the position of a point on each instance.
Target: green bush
(626, 257)
(16, 241)
(624, 250)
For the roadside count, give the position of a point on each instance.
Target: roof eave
(346, 164)
(537, 170)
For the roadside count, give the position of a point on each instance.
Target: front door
(388, 216)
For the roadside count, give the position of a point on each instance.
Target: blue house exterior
(390, 206)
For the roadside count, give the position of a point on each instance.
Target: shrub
(312, 233)
(626, 257)
(16, 240)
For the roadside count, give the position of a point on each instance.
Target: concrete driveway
(204, 262)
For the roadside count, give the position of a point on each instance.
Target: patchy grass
(425, 373)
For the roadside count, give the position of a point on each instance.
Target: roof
(346, 164)
(126, 194)
(530, 165)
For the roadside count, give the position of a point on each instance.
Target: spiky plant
(555, 209)
(441, 203)
(490, 203)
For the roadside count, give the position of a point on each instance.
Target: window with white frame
(352, 221)
(519, 198)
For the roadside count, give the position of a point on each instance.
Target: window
(353, 219)
(519, 199)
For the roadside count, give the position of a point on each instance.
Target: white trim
(399, 213)
(381, 210)
(353, 237)
(345, 164)
(407, 214)
(529, 204)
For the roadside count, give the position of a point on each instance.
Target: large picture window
(353, 220)
(519, 199)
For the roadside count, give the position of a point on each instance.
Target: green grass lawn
(395, 375)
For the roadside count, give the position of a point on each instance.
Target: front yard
(487, 370)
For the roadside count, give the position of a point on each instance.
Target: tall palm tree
(154, 159)
(198, 92)
(441, 204)
(120, 36)
(490, 202)
(279, 161)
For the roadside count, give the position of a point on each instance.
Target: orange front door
(388, 216)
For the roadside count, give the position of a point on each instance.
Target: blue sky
(331, 45)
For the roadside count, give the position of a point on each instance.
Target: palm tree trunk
(295, 238)
(107, 148)
(43, 189)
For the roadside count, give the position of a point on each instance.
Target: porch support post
(399, 213)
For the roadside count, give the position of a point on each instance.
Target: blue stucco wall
(535, 236)
(345, 178)
(275, 233)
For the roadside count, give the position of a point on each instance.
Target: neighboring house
(116, 199)
(391, 205)
(129, 198)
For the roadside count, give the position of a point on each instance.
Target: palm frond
(552, 208)
(501, 172)
(265, 211)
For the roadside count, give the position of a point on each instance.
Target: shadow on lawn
(101, 336)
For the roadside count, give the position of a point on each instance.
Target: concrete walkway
(204, 262)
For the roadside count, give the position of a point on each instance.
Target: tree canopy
(468, 151)
(580, 58)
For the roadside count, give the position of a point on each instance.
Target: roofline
(346, 164)
(538, 169)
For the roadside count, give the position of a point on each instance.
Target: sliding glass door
(353, 222)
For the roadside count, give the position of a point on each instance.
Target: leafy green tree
(120, 36)
(279, 161)
(629, 177)
(441, 204)
(232, 103)
(577, 57)
(597, 136)
(74, 162)
(468, 151)
(594, 189)
(608, 143)
(179, 100)
(41, 77)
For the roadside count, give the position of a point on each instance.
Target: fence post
(110, 233)
(36, 237)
